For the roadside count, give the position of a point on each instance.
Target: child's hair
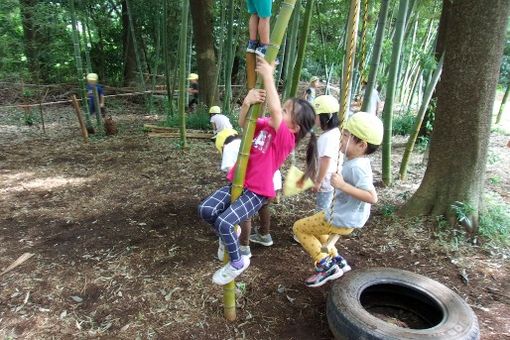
(303, 115)
(371, 148)
(329, 121)
(230, 139)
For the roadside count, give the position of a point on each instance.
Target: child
(326, 107)
(91, 83)
(311, 91)
(260, 11)
(218, 120)
(355, 193)
(193, 91)
(228, 143)
(375, 100)
(274, 139)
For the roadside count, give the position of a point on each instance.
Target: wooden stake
(84, 132)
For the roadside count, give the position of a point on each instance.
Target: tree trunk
(202, 14)
(30, 35)
(183, 70)
(129, 50)
(456, 171)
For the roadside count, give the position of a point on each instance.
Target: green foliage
(492, 157)
(462, 211)
(197, 120)
(495, 221)
(495, 180)
(403, 124)
(388, 210)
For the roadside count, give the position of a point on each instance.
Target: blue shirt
(90, 94)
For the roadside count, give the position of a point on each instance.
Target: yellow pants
(312, 232)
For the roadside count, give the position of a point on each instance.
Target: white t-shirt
(221, 122)
(229, 158)
(328, 145)
(374, 102)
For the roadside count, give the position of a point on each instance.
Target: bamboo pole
(83, 128)
(182, 70)
(503, 104)
(229, 305)
(229, 62)
(419, 118)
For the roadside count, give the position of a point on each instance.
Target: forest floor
(119, 251)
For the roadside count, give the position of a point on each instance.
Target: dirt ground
(119, 251)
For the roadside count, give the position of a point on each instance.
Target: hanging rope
(364, 41)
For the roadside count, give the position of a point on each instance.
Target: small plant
(388, 210)
(495, 180)
(403, 124)
(493, 158)
(463, 211)
(495, 221)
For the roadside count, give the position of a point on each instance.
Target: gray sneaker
(245, 251)
(265, 240)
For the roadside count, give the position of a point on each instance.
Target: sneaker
(228, 273)
(252, 46)
(261, 50)
(294, 236)
(321, 277)
(342, 263)
(221, 250)
(245, 251)
(265, 240)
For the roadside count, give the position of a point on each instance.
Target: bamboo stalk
(83, 128)
(182, 69)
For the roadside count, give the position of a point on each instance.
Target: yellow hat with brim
(92, 77)
(325, 104)
(292, 185)
(222, 136)
(366, 126)
(193, 76)
(215, 109)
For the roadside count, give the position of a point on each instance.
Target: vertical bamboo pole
(135, 46)
(287, 6)
(182, 70)
(350, 50)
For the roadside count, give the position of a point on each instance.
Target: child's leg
(244, 238)
(311, 232)
(263, 29)
(242, 209)
(214, 205)
(265, 219)
(253, 26)
(323, 200)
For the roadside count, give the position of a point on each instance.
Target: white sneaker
(221, 250)
(228, 273)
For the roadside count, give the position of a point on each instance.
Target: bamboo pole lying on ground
(83, 129)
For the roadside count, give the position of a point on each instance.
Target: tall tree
(129, 48)
(458, 153)
(27, 8)
(202, 15)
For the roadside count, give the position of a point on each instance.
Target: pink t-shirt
(269, 150)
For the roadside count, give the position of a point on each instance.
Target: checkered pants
(223, 216)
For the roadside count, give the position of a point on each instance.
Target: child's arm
(337, 181)
(323, 170)
(273, 100)
(254, 96)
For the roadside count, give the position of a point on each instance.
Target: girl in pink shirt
(275, 137)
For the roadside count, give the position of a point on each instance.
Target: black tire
(442, 313)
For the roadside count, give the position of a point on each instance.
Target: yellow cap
(366, 126)
(92, 77)
(215, 109)
(193, 76)
(222, 136)
(325, 104)
(314, 78)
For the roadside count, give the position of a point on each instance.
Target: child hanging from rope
(228, 143)
(275, 137)
(326, 107)
(355, 192)
(260, 11)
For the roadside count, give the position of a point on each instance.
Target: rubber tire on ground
(348, 319)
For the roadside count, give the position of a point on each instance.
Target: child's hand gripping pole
(330, 243)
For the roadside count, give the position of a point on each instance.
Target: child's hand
(316, 187)
(263, 68)
(337, 181)
(255, 96)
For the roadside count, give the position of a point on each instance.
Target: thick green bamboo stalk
(277, 34)
(182, 69)
(350, 50)
(135, 46)
(376, 54)
(390, 92)
(419, 118)
(221, 44)
(229, 60)
(305, 30)
(79, 65)
(290, 58)
(503, 104)
(156, 60)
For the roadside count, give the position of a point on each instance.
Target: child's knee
(297, 227)
(223, 226)
(205, 212)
